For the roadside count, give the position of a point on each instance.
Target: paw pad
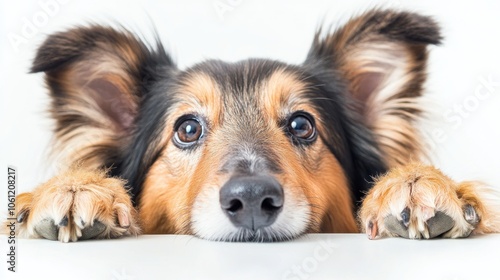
(436, 225)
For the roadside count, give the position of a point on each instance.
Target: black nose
(252, 202)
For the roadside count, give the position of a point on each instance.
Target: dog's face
(246, 154)
(251, 151)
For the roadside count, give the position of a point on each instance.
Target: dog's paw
(78, 205)
(417, 202)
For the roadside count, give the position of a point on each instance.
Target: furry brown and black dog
(257, 150)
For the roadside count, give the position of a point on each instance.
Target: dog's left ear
(108, 91)
(382, 55)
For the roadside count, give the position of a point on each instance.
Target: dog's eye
(300, 126)
(188, 131)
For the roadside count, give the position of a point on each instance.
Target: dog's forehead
(243, 89)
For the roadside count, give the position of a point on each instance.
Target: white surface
(327, 256)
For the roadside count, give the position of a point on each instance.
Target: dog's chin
(259, 235)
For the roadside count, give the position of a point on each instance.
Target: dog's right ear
(382, 57)
(97, 77)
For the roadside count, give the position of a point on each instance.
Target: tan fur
(198, 94)
(391, 116)
(113, 65)
(328, 196)
(80, 143)
(386, 77)
(282, 93)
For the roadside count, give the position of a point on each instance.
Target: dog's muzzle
(252, 202)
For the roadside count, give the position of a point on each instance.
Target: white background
(193, 31)
(282, 30)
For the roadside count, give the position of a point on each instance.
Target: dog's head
(254, 150)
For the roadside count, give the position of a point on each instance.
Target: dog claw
(123, 219)
(82, 222)
(372, 230)
(64, 222)
(470, 215)
(405, 216)
(21, 216)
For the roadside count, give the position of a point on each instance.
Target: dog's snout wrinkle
(250, 160)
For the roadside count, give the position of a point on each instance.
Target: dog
(252, 151)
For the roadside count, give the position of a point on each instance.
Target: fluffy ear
(97, 77)
(382, 55)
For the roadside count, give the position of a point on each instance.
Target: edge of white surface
(314, 256)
